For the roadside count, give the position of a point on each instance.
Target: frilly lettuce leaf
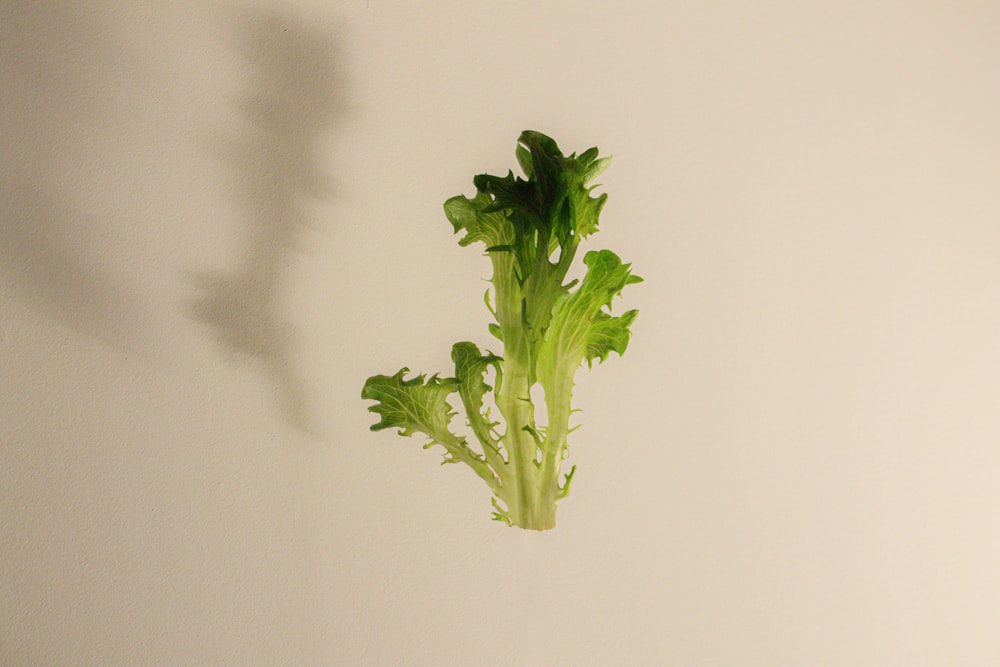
(414, 405)
(580, 329)
(479, 223)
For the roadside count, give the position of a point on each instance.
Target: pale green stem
(460, 451)
(515, 406)
(557, 403)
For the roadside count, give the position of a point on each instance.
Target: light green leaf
(416, 405)
(608, 333)
(580, 328)
(471, 367)
(471, 215)
(411, 405)
(583, 209)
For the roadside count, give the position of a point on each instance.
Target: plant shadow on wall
(61, 77)
(276, 172)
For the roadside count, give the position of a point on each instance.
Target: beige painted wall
(219, 219)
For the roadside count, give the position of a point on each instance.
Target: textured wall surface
(217, 219)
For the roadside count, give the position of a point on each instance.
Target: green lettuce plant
(531, 228)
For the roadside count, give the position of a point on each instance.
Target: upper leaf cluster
(532, 227)
(551, 208)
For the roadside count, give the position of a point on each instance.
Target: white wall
(219, 219)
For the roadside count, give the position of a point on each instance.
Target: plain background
(219, 219)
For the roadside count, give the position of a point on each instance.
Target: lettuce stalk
(531, 228)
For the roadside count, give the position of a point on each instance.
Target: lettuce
(531, 229)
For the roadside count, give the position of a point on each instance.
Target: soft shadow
(42, 268)
(59, 77)
(276, 171)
